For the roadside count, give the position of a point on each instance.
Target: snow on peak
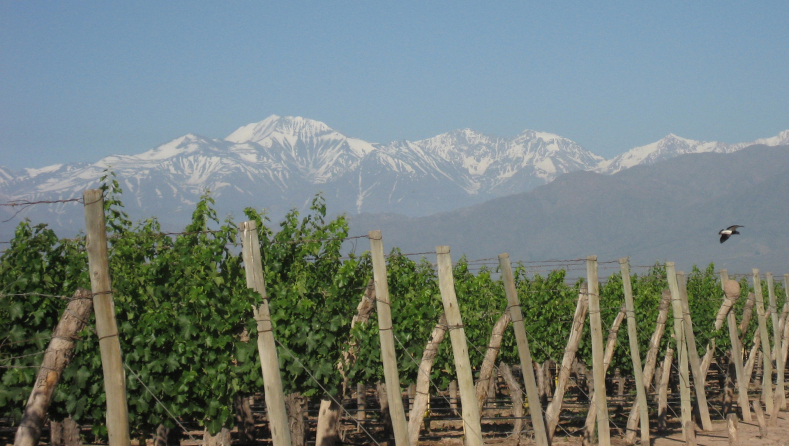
(780, 139)
(32, 173)
(189, 143)
(288, 125)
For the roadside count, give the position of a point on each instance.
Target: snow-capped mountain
(673, 145)
(280, 163)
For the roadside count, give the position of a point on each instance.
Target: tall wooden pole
(682, 346)
(732, 291)
(106, 326)
(777, 343)
(693, 355)
(446, 283)
(767, 376)
(269, 362)
(598, 371)
(632, 334)
(393, 391)
(535, 408)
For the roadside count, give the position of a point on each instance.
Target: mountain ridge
(281, 162)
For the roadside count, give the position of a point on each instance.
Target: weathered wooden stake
(106, 326)
(269, 363)
(596, 326)
(682, 346)
(610, 344)
(777, 343)
(767, 374)
(446, 283)
(650, 363)
(693, 355)
(393, 391)
(535, 409)
(690, 433)
(635, 357)
(56, 358)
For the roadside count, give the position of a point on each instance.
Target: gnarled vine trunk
(422, 393)
(296, 406)
(486, 371)
(65, 433)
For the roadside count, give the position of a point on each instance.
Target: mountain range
(668, 211)
(280, 163)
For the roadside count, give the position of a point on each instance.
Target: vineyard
(361, 347)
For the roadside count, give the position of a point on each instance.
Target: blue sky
(83, 80)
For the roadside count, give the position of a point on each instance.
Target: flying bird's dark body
(728, 232)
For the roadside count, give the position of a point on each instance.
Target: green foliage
(187, 332)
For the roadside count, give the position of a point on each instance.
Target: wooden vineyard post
(535, 408)
(767, 374)
(596, 326)
(384, 310)
(269, 363)
(777, 342)
(56, 358)
(682, 346)
(106, 326)
(650, 362)
(693, 355)
(632, 334)
(732, 291)
(446, 282)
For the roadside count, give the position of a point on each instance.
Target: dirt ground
(747, 433)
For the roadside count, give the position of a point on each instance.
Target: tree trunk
(422, 397)
(160, 438)
(56, 358)
(553, 410)
(296, 406)
(328, 428)
(222, 438)
(728, 387)
(663, 389)
(327, 433)
(486, 371)
(65, 433)
(245, 422)
(516, 395)
(386, 419)
(747, 313)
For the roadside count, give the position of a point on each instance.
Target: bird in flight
(728, 232)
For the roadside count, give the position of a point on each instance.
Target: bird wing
(734, 227)
(724, 237)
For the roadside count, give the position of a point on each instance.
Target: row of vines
(186, 326)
